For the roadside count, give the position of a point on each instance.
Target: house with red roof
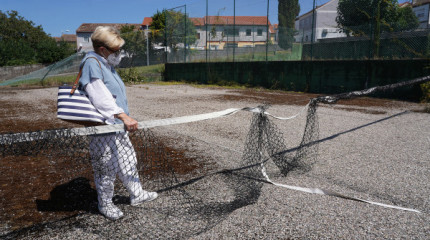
(222, 32)
(69, 38)
(228, 31)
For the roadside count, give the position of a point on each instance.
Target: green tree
(135, 45)
(407, 19)
(170, 27)
(364, 17)
(373, 17)
(21, 42)
(16, 52)
(288, 10)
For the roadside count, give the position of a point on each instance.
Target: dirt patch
(46, 187)
(24, 117)
(367, 111)
(27, 181)
(266, 97)
(290, 98)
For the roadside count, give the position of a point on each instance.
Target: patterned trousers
(111, 155)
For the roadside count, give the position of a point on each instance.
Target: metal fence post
(185, 38)
(234, 29)
(267, 32)
(313, 29)
(206, 38)
(147, 45)
(165, 35)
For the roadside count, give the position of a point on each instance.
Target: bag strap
(75, 85)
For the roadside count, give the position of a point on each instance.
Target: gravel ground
(378, 153)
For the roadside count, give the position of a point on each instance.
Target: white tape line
(289, 118)
(24, 137)
(186, 119)
(330, 193)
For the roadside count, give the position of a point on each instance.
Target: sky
(65, 16)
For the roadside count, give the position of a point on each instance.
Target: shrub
(130, 75)
(425, 87)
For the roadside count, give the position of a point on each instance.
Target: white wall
(422, 13)
(325, 24)
(84, 40)
(242, 34)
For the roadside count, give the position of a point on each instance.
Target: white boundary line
(330, 193)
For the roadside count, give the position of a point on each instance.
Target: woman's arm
(130, 124)
(104, 102)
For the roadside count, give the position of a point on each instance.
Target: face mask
(114, 59)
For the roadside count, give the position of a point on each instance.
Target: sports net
(64, 70)
(187, 204)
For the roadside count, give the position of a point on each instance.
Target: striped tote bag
(74, 106)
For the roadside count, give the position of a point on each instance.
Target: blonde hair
(107, 36)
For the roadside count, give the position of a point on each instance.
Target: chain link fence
(208, 31)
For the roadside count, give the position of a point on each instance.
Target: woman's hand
(130, 124)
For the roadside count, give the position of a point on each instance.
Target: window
(259, 32)
(231, 45)
(324, 33)
(198, 35)
(231, 32)
(248, 32)
(86, 39)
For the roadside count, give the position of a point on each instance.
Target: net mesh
(187, 204)
(65, 70)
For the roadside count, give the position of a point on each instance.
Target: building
(69, 38)
(227, 31)
(419, 2)
(325, 25)
(83, 33)
(146, 23)
(421, 9)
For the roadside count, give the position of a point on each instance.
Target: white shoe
(145, 197)
(110, 211)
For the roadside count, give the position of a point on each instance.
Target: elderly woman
(111, 154)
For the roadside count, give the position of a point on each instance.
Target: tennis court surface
(371, 149)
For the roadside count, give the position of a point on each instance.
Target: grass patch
(168, 83)
(142, 74)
